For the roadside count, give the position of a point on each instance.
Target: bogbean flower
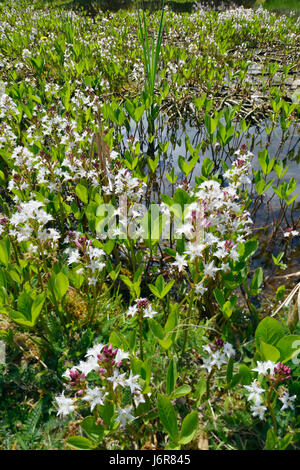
(66, 405)
(218, 354)
(7, 137)
(122, 183)
(290, 233)
(239, 170)
(105, 361)
(117, 379)
(28, 223)
(125, 415)
(180, 262)
(264, 368)
(91, 364)
(81, 250)
(143, 307)
(275, 374)
(281, 373)
(287, 401)
(200, 289)
(7, 107)
(255, 391)
(258, 409)
(216, 223)
(76, 378)
(95, 396)
(209, 269)
(95, 350)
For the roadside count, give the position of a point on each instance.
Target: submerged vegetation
(149, 228)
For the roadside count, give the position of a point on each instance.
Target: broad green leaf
(106, 412)
(248, 249)
(109, 246)
(172, 446)
(154, 291)
(189, 428)
(244, 376)
(167, 288)
(181, 391)
(227, 309)
(207, 167)
(289, 347)
(171, 321)
(200, 388)
(20, 318)
(37, 306)
(156, 329)
(269, 352)
(75, 278)
(171, 376)
(159, 283)
(80, 443)
(136, 366)
(2, 178)
(219, 296)
(146, 370)
(60, 285)
(271, 440)
(127, 281)
(132, 340)
(14, 275)
(5, 251)
(168, 417)
(82, 193)
(92, 430)
(166, 343)
(118, 340)
(269, 330)
(285, 441)
(256, 281)
(24, 305)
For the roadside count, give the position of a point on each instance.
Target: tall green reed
(151, 59)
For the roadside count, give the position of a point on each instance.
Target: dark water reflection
(281, 146)
(181, 6)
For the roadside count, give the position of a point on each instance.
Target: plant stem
(187, 319)
(208, 383)
(141, 336)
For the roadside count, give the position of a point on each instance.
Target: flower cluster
(275, 374)
(216, 223)
(141, 307)
(80, 250)
(238, 173)
(7, 136)
(121, 182)
(8, 107)
(281, 373)
(255, 395)
(28, 223)
(106, 362)
(218, 354)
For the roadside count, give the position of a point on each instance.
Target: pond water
(283, 6)
(280, 146)
(284, 147)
